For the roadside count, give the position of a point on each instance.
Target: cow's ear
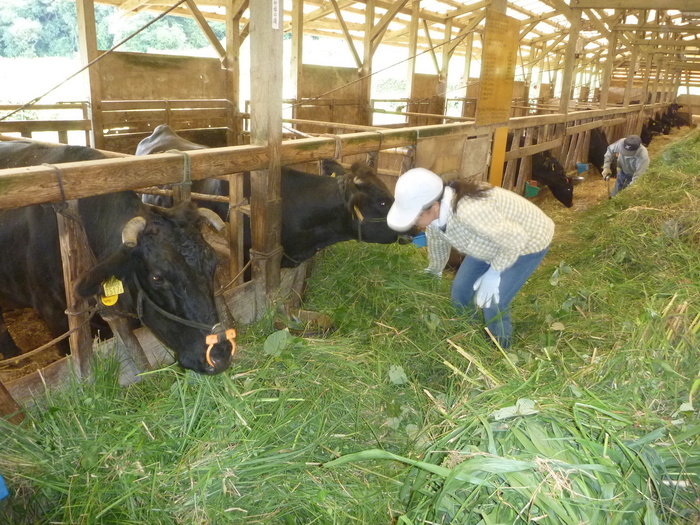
(361, 173)
(118, 265)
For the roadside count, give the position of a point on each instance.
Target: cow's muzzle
(219, 335)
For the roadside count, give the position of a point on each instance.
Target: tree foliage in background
(41, 28)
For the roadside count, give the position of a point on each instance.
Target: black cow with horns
(160, 256)
(316, 211)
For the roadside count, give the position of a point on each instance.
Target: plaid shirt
(497, 228)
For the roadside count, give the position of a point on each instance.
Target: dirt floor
(29, 332)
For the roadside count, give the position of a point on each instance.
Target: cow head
(368, 200)
(548, 170)
(168, 269)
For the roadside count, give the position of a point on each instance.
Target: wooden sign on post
(497, 68)
(496, 83)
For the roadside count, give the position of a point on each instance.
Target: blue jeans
(496, 316)
(623, 180)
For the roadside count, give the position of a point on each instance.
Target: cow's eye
(382, 203)
(157, 279)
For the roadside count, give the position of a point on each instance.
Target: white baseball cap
(414, 190)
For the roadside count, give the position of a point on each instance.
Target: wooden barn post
(297, 48)
(412, 47)
(570, 60)
(366, 69)
(608, 69)
(234, 12)
(498, 57)
(266, 129)
(87, 36)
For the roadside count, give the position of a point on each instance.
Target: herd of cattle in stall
(160, 256)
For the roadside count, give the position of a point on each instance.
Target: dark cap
(631, 145)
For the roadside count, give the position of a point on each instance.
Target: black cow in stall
(659, 124)
(165, 139)
(673, 118)
(597, 146)
(165, 265)
(548, 171)
(316, 211)
(646, 135)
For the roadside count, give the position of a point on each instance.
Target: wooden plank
(206, 28)
(9, 408)
(497, 68)
(681, 5)
(595, 124)
(122, 117)
(570, 60)
(500, 137)
(169, 77)
(266, 129)
(127, 105)
(24, 388)
(40, 107)
(121, 329)
(77, 260)
(536, 148)
(87, 36)
(33, 126)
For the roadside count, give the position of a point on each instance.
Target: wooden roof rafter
(644, 27)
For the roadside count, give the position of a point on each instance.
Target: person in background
(503, 235)
(632, 161)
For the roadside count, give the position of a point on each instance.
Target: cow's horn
(131, 231)
(212, 218)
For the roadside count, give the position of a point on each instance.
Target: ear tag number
(113, 287)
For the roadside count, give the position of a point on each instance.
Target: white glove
(606, 173)
(486, 288)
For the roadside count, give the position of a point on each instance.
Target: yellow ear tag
(109, 300)
(113, 287)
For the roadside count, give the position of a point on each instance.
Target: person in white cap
(503, 235)
(632, 161)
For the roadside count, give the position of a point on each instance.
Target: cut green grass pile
(407, 412)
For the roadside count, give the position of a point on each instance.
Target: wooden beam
(661, 28)
(457, 39)
(348, 37)
(381, 26)
(561, 7)
(681, 5)
(665, 42)
(206, 28)
(597, 22)
(132, 5)
(297, 31)
(431, 46)
(87, 36)
(569, 61)
(266, 130)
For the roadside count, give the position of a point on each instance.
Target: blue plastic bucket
(582, 167)
(419, 240)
